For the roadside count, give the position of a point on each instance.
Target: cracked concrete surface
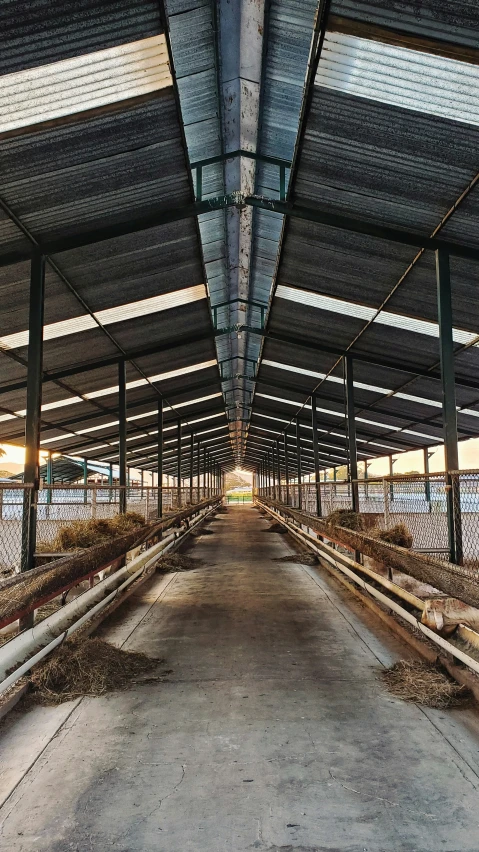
(272, 732)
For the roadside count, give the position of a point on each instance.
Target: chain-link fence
(419, 501)
(59, 505)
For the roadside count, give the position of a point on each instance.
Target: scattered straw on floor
(424, 683)
(201, 531)
(178, 562)
(87, 667)
(300, 558)
(276, 528)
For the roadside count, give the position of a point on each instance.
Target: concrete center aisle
(272, 732)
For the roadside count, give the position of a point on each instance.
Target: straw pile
(86, 667)
(300, 558)
(424, 683)
(81, 534)
(398, 534)
(276, 528)
(178, 562)
(347, 519)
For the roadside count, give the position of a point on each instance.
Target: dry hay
(200, 531)
(300, 558)
(222, 510)
(346, 518)
(276, 528)
(81, 534)
(178, 562)
(398, 534)
(424, 683)
(86, 667)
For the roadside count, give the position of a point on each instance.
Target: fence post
(387, 495)
(446, 349)
(122, 435)
(352, 445)
(147, 506)
(93, 501)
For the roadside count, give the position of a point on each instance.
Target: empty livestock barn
(239, 415)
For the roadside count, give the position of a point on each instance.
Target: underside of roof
(230, 197)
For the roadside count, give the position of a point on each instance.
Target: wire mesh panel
(465, 490)
(11, 513)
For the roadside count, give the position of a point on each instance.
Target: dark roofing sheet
(37, 32)
(456, 21)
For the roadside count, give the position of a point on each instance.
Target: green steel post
(317, 478)
(160, 460)
(192, 458)
(49, 477)
(286, 466)
(178, 464)
(446, 347)
(352, 446)
(427, 483)
(122, 434)
(85, 480)
(298, 462)
(33, 418)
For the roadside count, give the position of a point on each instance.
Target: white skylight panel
(121, 313)
(400, 76)
(339, 306)
(84, 82)
(324, 303)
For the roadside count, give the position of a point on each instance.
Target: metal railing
(419, 501)
(59, 505)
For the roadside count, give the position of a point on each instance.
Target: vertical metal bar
(391, 473)
(286, 466)
(446, 347)
(198, 465)
(192, 459)
(122, 434)
(298, 463)
(85, 480)
(351, 422)
(205, 493)
(49, 477)
(427, 483)
(317, 480)
(160, 460)
(278, 463)
(282, 183)
(33, 418)
(199, 183)
(178, 465)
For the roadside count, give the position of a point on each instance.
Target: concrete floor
(272, 732)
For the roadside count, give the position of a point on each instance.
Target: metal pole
(192, 458)
(279, 470)
(391, 473)
(446, 347)
(32, 420)
(352, 446)
(49, 477)
(198, 467)
(178, 464)
(286, 466)
(427, 484)
(122, 433)
(316, 454)
(298, 462)
(85, 480)
(205, 493)
(160, 460)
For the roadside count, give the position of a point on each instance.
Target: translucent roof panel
(399, 76)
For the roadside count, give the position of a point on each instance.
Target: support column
(160, 460)
(178, 464)
(351, 422)
(49, 477)
(85, 480)
(205, 486)
(32, 418)
(286, 466)
(279, 469)
(427, 484)
(198, 465)
(298, 462)
(122, 433)
(451, 453)
(191, 466)
(317, 479)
